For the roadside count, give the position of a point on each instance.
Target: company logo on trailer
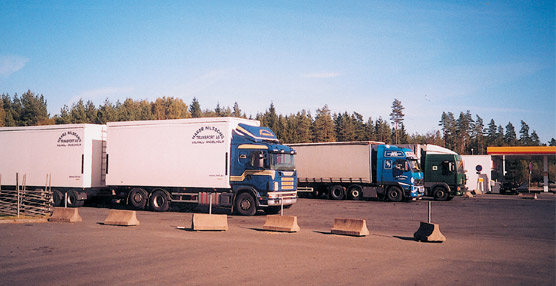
(208, 135)
(69, 138)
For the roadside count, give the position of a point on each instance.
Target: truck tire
(355, 192)
(336, 192)
(159, 201)
(137, 198)
(57, 198)
(394, 194)
(245, 204)
(72, 199)
(440, 194)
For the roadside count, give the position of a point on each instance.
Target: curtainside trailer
(358, 170)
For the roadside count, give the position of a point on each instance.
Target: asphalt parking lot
(491, 240)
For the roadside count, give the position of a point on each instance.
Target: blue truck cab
(400, 173)
(262, 171)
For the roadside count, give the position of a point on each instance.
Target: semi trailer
(443, 170)
(229, 162)
(356, 170)
(71, 153)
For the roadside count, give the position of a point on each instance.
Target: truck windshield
(461, 168)
(282, 162)
(414, 165)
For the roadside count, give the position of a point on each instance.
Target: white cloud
(322, 75)
(11, 64)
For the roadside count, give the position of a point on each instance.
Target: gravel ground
(491, 240)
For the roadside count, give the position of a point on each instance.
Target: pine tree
(535, 141)
(323, 126)
(524, 137)
(491, 134)
(478, 135)
(270, 118)
(77, 112)
(500, 136)
(464, 127)
(370, 131)
(449, 129)
(107, 112)
(195, 108)
(218, 110)
(33, 111)
(2, 115)
(510, 137)
(396, 117)
(236, 111)
(303, 123)
(383, 131)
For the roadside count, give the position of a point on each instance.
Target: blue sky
(494, 58)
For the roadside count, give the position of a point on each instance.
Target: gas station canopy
(526, 153)
(522, 152)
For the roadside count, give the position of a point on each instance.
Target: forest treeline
(463, 133)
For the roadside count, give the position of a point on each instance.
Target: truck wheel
(72, 199)
(137, 198)
(159, 201)
(355, 192)
(316, 194)
(440, 194)
(57, 198)
(245, 204)
(394, 194)
(337, 192)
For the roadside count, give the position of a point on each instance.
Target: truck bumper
(417, 191)
(279, 198)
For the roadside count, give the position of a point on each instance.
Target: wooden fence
(23, 202)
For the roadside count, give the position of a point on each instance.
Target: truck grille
(287, 184)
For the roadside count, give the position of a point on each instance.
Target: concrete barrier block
(348, 226)
(281, 223)
(209, 222)
(429, 232)
(121, 217)
(531, 196)
(467, 195)
(65, 215)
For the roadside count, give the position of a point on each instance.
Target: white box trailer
(232, 161)
(71, 153)
(191, 153)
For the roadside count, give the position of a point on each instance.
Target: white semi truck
(232, 162)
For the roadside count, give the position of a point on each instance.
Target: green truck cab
(443, 171)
